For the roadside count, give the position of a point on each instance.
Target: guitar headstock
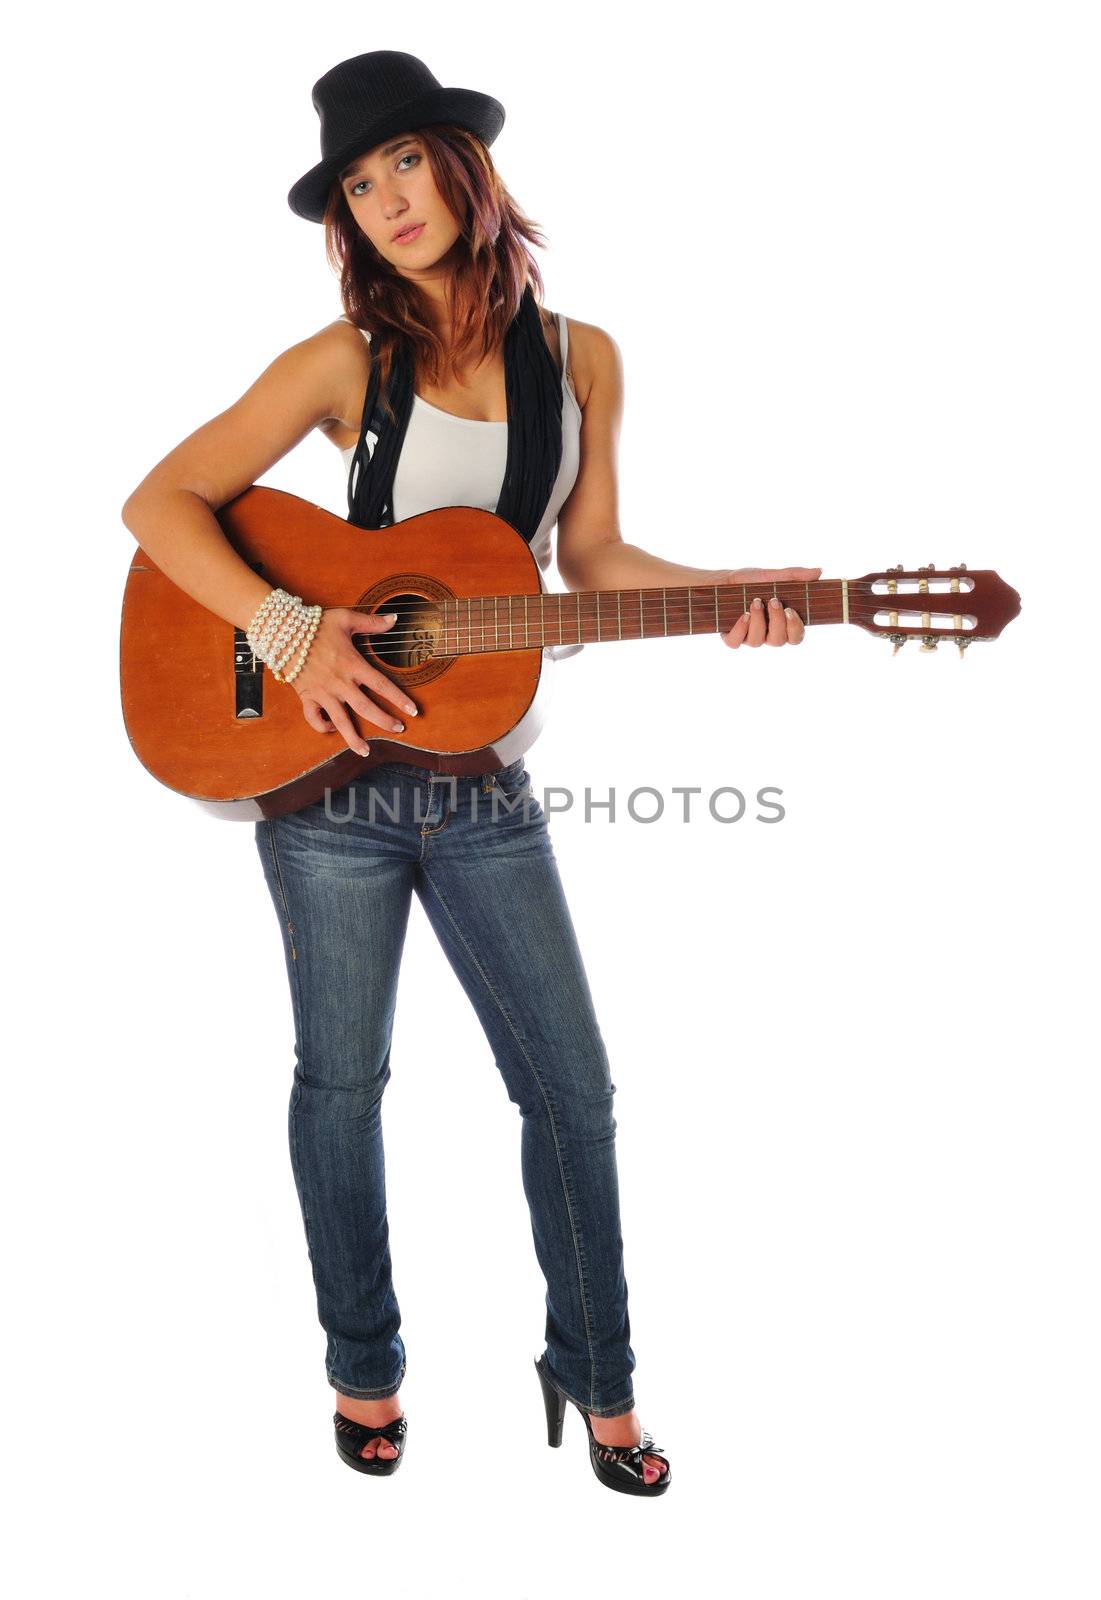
(932, 603)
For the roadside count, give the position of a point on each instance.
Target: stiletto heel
(619, 1467)
(555, 1404)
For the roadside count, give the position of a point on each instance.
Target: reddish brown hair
(491, 273)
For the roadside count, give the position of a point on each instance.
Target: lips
(411, 231)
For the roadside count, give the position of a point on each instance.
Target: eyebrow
(386, 150)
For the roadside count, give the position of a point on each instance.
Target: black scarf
(533, 400)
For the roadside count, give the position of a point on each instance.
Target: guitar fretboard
(474, 624)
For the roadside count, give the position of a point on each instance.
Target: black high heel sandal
(620, 1467)
(352, 1436)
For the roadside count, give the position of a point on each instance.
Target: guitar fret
(690, 608)
(619, 613)
(806, 586)
(598, 616)
(641, 621)
(664, 614)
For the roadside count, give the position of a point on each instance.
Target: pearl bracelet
(314, 615)
(283, 624)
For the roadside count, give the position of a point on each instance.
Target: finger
(755, 635)
(796, 629)
(777, 623)
(736, 635)
(377, 714)
(373, 621)
(380, 684)
(344, 725)
(316, 717)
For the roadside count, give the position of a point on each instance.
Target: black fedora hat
(366, 99)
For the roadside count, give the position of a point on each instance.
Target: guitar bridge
(248, 678)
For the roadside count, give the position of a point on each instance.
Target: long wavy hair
(491, 272)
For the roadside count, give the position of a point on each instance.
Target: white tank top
(458, 461)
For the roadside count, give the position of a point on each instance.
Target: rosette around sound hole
(406, 649)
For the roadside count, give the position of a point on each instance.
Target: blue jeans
(478, 854)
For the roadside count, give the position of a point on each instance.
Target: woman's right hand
(330, 679)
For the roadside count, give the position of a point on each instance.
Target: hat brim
(480, 113)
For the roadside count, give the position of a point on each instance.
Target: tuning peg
(899, 568)
(961, 645)
(898, 640)
(932, 567)
(930, 643)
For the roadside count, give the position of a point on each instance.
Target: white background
(850, 255)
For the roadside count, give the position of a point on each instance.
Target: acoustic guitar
(474, 633)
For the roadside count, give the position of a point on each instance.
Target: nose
(392, 203)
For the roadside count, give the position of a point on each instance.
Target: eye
(410, 155)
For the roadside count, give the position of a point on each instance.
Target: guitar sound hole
(410, 640)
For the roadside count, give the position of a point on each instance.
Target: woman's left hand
(767, 621)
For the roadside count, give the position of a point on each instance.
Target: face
(392, 187)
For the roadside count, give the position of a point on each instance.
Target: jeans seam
(296, 1092)
(282, 888)
(498, 1002)
(593, 1411)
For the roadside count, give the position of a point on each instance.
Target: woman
(446, 382)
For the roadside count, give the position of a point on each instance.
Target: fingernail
(412, 710)
(788, 612)
(365, 750)
(757, 603)
(399, 727)
(775, 603)
(391, 616)
(745, 616)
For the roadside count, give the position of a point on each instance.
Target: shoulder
(337, 358)
(343, 339)
(595, 360)
(335, 354)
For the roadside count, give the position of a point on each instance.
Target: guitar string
(490, 646)
(476, 633)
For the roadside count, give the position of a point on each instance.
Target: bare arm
(592, 553)
(171, 514)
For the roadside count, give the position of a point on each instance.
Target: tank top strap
(563, 339)
(366, 332)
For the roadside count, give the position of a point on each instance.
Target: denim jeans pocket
(514, 781)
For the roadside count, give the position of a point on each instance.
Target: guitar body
(211, 722)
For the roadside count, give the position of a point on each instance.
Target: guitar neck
(474, 624)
